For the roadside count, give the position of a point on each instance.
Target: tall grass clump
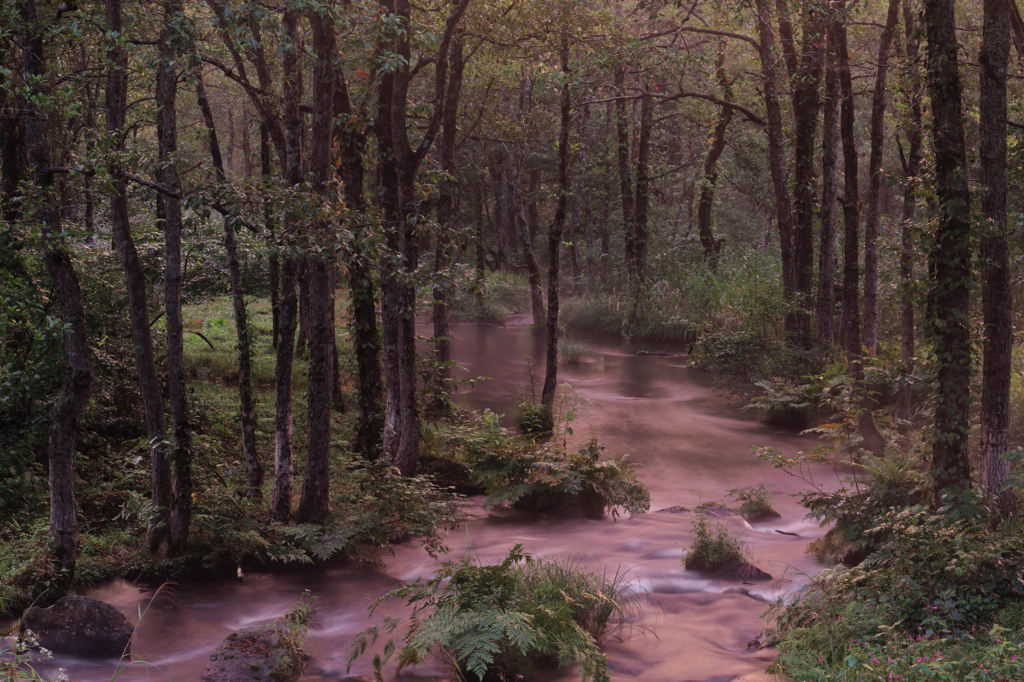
(571, 352)
(713, 547)
(496, 623)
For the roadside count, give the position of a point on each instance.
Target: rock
(742, 570)
(674, 510)
(81, 626)
(255, 654)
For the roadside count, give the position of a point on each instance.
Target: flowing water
(691, 446)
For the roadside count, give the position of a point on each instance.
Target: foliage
(608, 314)
(713, 547)
(927, 599)
(16, 659)
(504, 293)
(541, 476)
(494, 622)
(291, 633)
(757, 502)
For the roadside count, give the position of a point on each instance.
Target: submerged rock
(740, 570)
(81, 626)
(261, 653)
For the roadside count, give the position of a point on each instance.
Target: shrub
(713, 547)
(541, 476)
(532, 417)
(503, 293)
(925, 599)
(757, 503)
(494, 622)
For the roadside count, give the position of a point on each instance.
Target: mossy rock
(796, 417)
(587, 503)
(263, 652)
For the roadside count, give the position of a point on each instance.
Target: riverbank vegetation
(498, 622)
(699, 175)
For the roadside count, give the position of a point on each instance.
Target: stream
(690, 444)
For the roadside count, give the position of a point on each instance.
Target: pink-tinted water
(691, 445)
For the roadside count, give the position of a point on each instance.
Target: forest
(276, 280)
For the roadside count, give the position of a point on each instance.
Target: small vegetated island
(236, 240)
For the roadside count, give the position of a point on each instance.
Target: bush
(924, 599)
(503, 293)
(713, 548)
(757, 503)
(541, 476)
(494, 622)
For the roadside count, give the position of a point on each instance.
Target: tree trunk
(873, 440)
(713, 246)
(643, 174)
(254, 468)
(116, 104)
(281, 501)
(829, 187)
(274, 261)
(167, 175)
(949, 262)
(555, 238)
(529, 254)
(320, 266)
(994, 252)
(77, 385)
(806, 104)
(622, 154)
(913, 131)
(875, 180)
(447, 215)
(351, 144)
(777, 154)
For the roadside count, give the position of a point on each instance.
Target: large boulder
(81, 626)
(263, 653)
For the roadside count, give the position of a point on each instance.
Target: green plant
(572, 352)
(16, 659)
(291, 633)
(713, 547)
(757, 502)
(494, 622)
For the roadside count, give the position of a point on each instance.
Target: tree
(949, 260)
(116, 104)
(994, 254)
(167, 176)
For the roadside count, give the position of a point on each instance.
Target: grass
(572, 352)
(757, 503)
(504, 293)
(713, 547)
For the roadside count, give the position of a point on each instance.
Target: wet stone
(254, 654)
(81, 626)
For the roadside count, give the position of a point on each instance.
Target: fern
(492, 622)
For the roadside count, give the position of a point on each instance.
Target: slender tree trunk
(641, 210)
(583, 214)
(167, 124)
(829, 186)
(949, 262)
(777, 154)
(994, 252)
(320, 266)
(875, 180)
(873, 440)
(281, 500)
(254, 468)
(555, 237)
(116, 104)
(622, 154)
(806, 105)
(365, 334)
(274, 261)
(529, 254)
(713, 246)
(913, 131)
(447, 214)
(77, 384)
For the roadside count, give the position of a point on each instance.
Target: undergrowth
(713, 547)
(494, 623)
